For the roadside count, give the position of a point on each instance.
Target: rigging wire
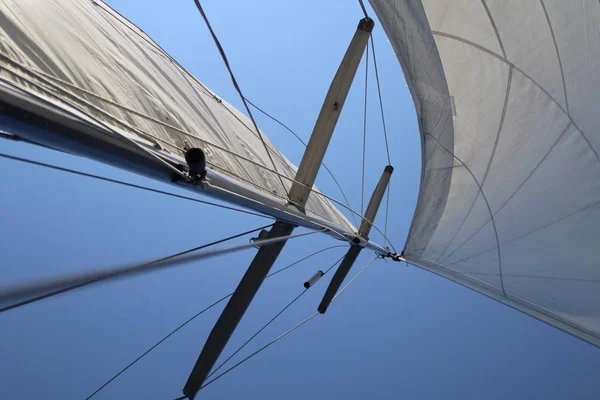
(76, 286)
(237, 156)
(149, 136)
(286, 332)
(270, 321)
(158, 344)
(385, 136)
(305, 145)
(196, 316)
(364, 10)
(259, 350)
(34, 289)
(235, 84)
(281, 176)
(364, 145)
(123, 183)
(158, 191)
(342, 290)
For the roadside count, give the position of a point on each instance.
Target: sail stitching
(487, 204)
(562, 73)
(143, 133)
(489, 14)
(106, 8)
(499, 57)
(489, 164)
(515, 191)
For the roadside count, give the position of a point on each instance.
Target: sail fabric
(507, 94)
(85, 59)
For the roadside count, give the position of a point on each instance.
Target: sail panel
(86, 59)
(516, 213)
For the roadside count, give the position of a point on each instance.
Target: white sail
(84, 60)
(507, 96)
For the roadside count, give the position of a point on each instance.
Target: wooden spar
(354, 251)
(330, 112)
(299, 193)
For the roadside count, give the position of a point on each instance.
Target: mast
(299, 194)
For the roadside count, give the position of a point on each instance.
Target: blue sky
(398, 332)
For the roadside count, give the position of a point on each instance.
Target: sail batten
(509, 204)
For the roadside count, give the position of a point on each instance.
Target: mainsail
(82, 64)
(506, 94)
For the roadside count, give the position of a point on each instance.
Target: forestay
(86, 60)
(507, 96)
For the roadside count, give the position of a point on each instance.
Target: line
(17, 292)
(237, 87)
(132, 185)
(76, 286)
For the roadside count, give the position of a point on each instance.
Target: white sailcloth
(507, 95)
(85, 59)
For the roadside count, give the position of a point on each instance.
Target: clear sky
(398, 332)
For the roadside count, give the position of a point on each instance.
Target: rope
(283, 334)
(76, 286)
(193, 318)
(33, 289)
(269, 323)
(353, 279)
(235, 84)
(133, 185)
(305, 145)
(305, 258)
(259, 350)
(387, 148)
(364, 146)
(280, 175)
(387, 207)
(158, 344)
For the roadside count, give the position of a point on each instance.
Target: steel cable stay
(39, 288)
(280, 175)
(364, 142)
(271, 320)
(288, 331)
(305, 145)
(163, 192)
(128, 184)
(235, 84)
(200, 313)
(162, 259)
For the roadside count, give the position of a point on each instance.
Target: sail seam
(499, 57)
(48, 86)
(515, 192)
(489, 14)
(146, 38)
(489, 165)
(562, 73)
(488, 207)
